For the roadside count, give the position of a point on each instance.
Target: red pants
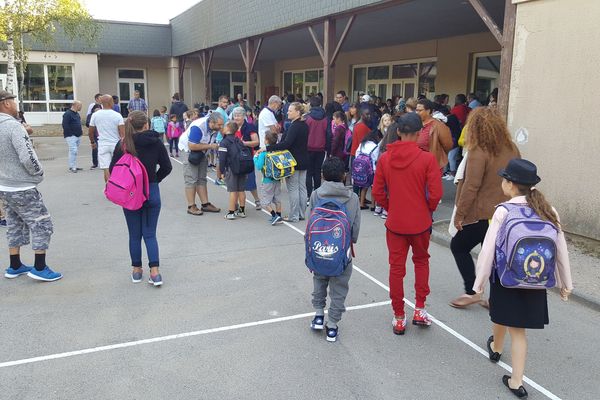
(398, 249)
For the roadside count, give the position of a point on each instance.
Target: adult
(20, 173)
(460, 109)
(489, 149)
(96, 102)
(248, 134)
(178, 107)
(266, 119)
(317, 140)
(116, 105)
(366, 103)
(222, 106)
(72, 131)
(95, 108)
(109, 126)
(202, 137)
(435, 136)
(137, 103)
(288, 100)
(342, 100)
(296, 141)
(473, 100)
(145, 144)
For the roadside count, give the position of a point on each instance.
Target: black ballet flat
(494, 356)
(520, 392)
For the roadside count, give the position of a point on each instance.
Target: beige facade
(554, 79)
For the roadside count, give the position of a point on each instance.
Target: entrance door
(130, 80)
(404, 88)
(378, 88)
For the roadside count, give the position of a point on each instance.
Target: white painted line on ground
(439, 323)
(176, 336)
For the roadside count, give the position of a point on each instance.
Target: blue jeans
(73, 143)
(142, 224)
(452, 167)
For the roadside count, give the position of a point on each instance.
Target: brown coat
(480, 191)
(440, 142)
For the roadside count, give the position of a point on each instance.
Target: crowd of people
(389, 157)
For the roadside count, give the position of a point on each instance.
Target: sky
(149, 11)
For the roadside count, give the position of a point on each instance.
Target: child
(512, 308)
(270, 189)
(157, 124)
(333, 187)
(408, 184)
(174, 131)
(235, 183)
(164, 115)
(368, 147)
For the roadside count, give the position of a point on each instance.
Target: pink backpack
(128, 184)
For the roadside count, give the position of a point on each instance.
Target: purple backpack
(128, 184)
(362, 170)
(525, 249)
(328, 238)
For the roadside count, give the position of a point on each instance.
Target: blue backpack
(525, 249)
(328, 238)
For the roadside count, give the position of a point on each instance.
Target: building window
(230, 83)
(486, 74)
(303, 83)
(395, 79)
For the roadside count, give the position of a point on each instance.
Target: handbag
(196, 157)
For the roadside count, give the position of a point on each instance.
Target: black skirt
(517, 308)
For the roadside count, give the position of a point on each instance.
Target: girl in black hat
(515, 309)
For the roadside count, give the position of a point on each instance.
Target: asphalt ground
(232, 318)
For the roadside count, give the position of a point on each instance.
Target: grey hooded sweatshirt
(343, 194)
(19, 165)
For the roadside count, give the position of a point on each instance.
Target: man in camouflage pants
(20, 173)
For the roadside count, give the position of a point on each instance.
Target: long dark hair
(133, 124)
(391, 135)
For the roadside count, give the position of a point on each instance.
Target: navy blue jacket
(71, 124)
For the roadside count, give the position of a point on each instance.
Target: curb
(443, 239)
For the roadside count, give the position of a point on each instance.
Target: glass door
(130, 80)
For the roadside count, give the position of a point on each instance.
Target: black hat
(409, 123)
(520, 171)
(4, 95)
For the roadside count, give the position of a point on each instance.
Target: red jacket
(408, 184)
(461, 112)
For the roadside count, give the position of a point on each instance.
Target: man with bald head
(110, 128)
(72, 131)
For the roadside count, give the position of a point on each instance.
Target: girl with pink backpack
(146, 148)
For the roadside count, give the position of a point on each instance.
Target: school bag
(241, 159)
(525, 249)
(279, 164)
(348, 142)
(128, 184)
(362, 170)
(158, 124)
(328, 238)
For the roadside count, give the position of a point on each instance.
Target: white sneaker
(378, 211)
(258, 205)
(240, 214)
(229, 216)
(384, 214)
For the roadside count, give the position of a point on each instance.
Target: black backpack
(241, 160)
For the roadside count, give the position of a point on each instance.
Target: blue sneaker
(155, 280)
(136, 277)
(45, 275)
(276, 220)
(13, 273)
(317, 323)
(332, 334)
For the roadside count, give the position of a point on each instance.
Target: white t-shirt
(369, 147)
(107, 124)
(266, 118)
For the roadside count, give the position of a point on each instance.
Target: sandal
(194, 210)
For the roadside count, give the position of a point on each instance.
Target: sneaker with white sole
(45, 275)
(240, 214)
(258, 206)
(276, 220)
(318, 323)
(136, 277)
(383, 214)
(10, 273)
(378, 211)
(421, 318)
(332, 334)
(230, 216)
(155, 280)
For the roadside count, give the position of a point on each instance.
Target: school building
(539, 53)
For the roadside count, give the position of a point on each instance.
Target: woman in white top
(368, 146)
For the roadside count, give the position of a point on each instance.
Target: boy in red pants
(408, 184)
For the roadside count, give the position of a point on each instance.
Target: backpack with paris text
(525, 249)
(328, 238)
(362, 170)
(128, 184)
(241, 159)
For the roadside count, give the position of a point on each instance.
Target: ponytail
(539, 204)
(134, 123)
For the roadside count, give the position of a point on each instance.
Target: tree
(23, 22)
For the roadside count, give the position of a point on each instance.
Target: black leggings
(461, 246)
(313, 172)
(174, 143)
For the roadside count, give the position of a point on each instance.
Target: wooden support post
(506, 57)
(487, 19)
(329, 52)
(249, 55)
(206, 57)
(182, 60)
